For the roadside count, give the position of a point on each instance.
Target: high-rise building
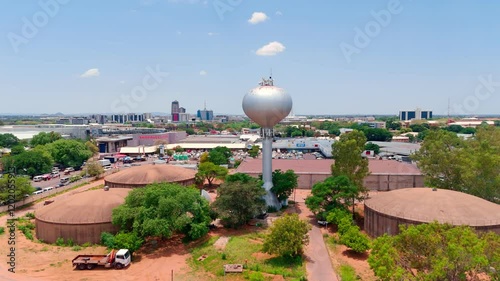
(417, 114)
(127, 118)
(175, 111)
(205, 115)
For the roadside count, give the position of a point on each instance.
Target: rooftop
(148, 174)
(87, 207)
(444, 206)
(324, 166)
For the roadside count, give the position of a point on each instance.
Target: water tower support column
(267, 170)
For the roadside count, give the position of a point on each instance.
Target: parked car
(38, 178)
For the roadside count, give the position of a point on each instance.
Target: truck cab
(122, 257)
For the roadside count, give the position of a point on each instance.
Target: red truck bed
(94, 259)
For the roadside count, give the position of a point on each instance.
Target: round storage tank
(385, 211)
(141, 176)
(81, 217)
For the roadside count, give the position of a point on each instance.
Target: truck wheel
(81, 266)
(90, 266)
(118, 266)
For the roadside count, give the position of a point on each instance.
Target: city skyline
(364, 58)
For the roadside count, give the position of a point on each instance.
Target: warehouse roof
(324, 166)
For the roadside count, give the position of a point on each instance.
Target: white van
(38, 192)
(38, 178)
(47, 189)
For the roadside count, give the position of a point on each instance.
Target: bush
(347, 273)
(354, 239)
(223, 257)
(30, 215)
(336, 215)
(108, 240)
(76, 248)
(287, 236)
(271, 209)
(344, 225)
(2, 230)
(60, 241)
(86, 244)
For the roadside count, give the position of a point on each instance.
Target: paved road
(318, 263)
(318, 266)
(22, 212)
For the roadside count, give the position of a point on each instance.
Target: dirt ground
(38, 262)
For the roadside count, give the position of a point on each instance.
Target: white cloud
(258, 17)
(122, 82)
(212, 34)
(271, 49)
(203, 73)
(93, 72)
(179, 32)
(279, 13)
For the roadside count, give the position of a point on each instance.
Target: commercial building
(127, 118)
(384, 175)
(417, 114)
(175, 110)
(386, 211)
(205, 115)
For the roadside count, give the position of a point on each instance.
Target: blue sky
(94, 56)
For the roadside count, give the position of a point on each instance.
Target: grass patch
(2, 230)
(240, 250)
(347, 273)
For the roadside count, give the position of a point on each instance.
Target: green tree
(237, 202)
(287, 236)
(437, 252)
(190, 131)
(44, 138)
(204, 157)
(209, 171)
(69, 153)
(481, 170)
(127, 240)
(161, 210)
(240, 177)
(348, 160)
(377, 134)
(284, 183)
(220, 155)
(17, 149)
(333, 192)
(30, 163)
(92, 147)
(22, 187)
(393, 124)
(122, 240)
(178, 149)
(454, 128)
(94, 169)
(8, 140)
(254, 151)
(442, 161)
(372, 146)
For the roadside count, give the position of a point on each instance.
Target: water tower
(267, 105)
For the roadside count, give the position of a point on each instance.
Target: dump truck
(115, 259)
